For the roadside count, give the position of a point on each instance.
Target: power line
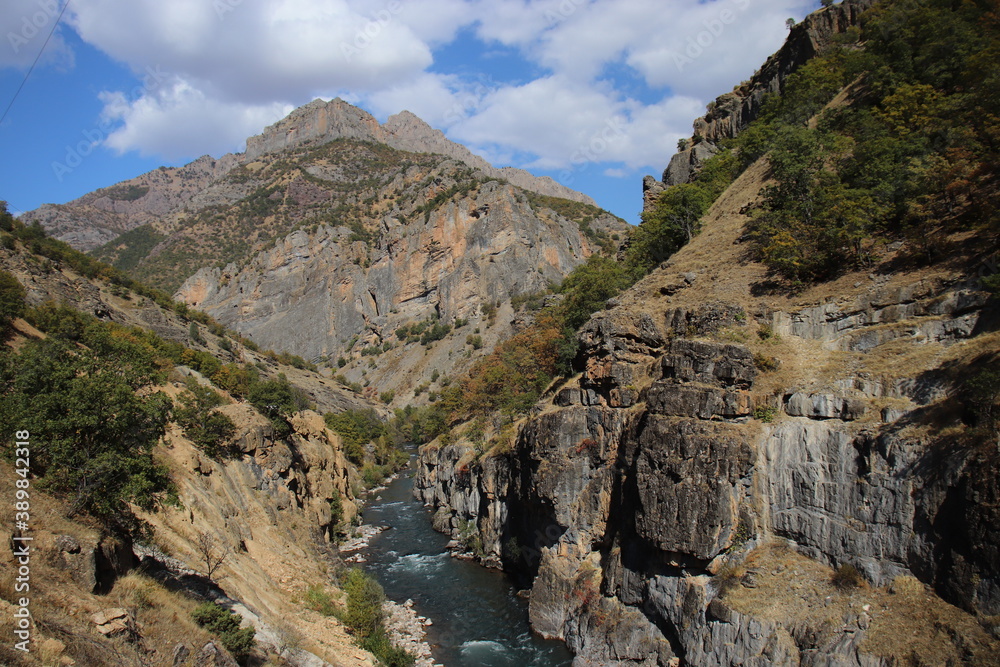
(32, 68)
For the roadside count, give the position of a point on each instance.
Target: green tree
(356, 428)
(209, 430)
(11, 299)
(94, 433)
(364, 603)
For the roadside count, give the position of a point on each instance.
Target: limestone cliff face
(684, 499)
(321, 295)
(729, 114)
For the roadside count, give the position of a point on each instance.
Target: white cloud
(258, 52)
(177, 120)
(433, 97)
(565, 124)
(234, 66)
(24, 27)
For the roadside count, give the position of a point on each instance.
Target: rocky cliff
(326, 294)
(743, 476)
(729, 114)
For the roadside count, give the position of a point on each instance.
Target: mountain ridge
(167, 193)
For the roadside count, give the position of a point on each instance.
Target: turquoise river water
(479, 621)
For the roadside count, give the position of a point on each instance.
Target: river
(479, 621)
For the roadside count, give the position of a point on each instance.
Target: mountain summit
(319, 122)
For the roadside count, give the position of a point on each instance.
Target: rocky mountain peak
(316, 122)
(320, 122)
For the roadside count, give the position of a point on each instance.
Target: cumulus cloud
(235, 66)
(176, 120)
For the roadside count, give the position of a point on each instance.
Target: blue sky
(594, 93)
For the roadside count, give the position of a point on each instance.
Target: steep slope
(756, 469)
(731, 113)
(256, 525)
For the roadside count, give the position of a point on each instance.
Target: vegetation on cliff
(913, 156)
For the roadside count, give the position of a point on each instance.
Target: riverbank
(408, 630)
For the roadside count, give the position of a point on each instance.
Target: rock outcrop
(729, 114)
(322, 296)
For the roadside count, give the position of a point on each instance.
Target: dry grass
(908, 624)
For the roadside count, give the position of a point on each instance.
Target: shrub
(390, 656)
(764, 362)
(225, 624)
(765, 413)
(847, 577)
(320, 601)
(364, 603)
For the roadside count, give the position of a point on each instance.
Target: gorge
(761, 428)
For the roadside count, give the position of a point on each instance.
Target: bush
(765, 363)
(225, 624)
(847, 577)
(389, 656)
(364, 603)
(320, 601)
(765, 413)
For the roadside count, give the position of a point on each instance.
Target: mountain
(779, 446)
(332, 232)
(167, 193)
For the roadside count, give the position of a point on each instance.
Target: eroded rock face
(628, 498)
(313, 294)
